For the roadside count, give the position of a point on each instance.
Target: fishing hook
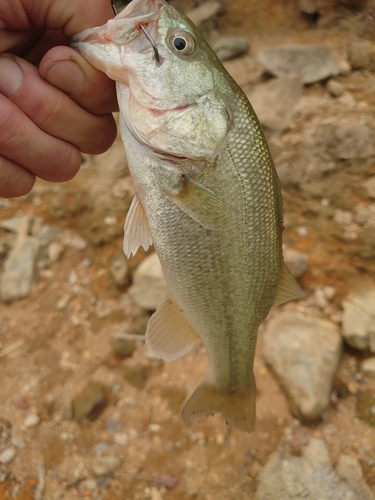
(113, 5)
(154, 46)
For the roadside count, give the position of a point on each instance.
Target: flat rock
(352, 140)
(149, 287)
(358, 322)
(311, 63)
(370, 186)
(310, 477)
(304, 353)
(18, 274)
(274, 100)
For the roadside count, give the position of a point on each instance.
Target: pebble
(309, 6)
(304, 353)
(297, 261)
(155, 494)
(102, 466)
(123, 348)
(18, 274)
(311, 63)
(370, 186)
(119, 268)
(359, 317)
(149, 287)
(62, 303)
(8, 455)
(335, 88)
(32, 420)
(89, 399)
(55, 251)
(362, 54)
(368, 367)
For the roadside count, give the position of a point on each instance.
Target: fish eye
(182, 42)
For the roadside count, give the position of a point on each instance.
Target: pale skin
(53, 103)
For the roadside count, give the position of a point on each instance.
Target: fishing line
(148, 36)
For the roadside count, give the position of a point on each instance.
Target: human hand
(51, 113)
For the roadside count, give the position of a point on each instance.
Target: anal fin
(288, 288)
(136, 230)
(168, 334)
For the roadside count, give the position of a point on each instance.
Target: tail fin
(238, 409)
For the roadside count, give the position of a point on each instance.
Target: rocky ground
(87, 413)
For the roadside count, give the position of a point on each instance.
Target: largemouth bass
(208, 198)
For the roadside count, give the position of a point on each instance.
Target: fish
(207, 197)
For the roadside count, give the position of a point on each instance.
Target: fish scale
(207, 196)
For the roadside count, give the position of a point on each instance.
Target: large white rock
(149, 287)
(304, 354)
(358, 322)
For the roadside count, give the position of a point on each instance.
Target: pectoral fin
(205, 207)
(168, 334)
(136, 230)
(288, 289)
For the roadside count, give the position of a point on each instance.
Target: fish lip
(147, 7)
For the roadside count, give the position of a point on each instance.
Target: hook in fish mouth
(113, 5)
(153, 44)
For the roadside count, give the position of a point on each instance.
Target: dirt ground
(60, 339)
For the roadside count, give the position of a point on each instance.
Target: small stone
(370, 186)
(119, 269)
(55, 251)
(98, 447)
(18, 275)
(62, 303)
(155, 494)
(32, 420)
(297, 262)
(335, 88)
(110, 220)
(91, 398)
(123, 348)
(368, 367)
(309, 6)
(154, 428)
(103, 466)
(362, 54)
(149, 287)
(317, 451)
(320, 298)
(359, 318)
(8, 455)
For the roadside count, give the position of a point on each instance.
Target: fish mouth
(125, 26)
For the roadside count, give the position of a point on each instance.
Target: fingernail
(66, 75)
(10, 75)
